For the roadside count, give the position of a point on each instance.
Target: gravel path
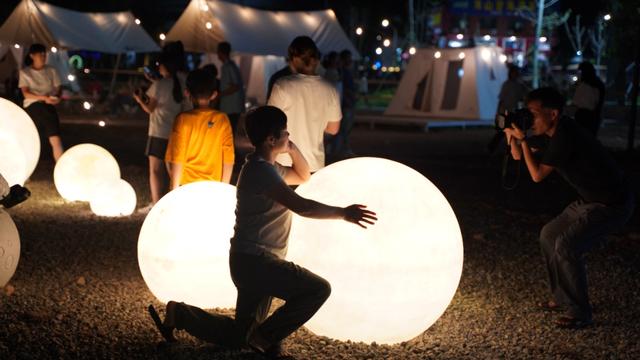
(78, 292)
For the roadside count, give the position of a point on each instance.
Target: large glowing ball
(9, 248)
(393, 280)
(19, 143)
(183, 247)
(81, 169)
(113, 198)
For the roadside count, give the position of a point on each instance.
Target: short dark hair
(345, 54)
(37, 49)
(303, 47)
(201, 84)
(549, 97)
(224, 47)
(264, 121)
(212, 69)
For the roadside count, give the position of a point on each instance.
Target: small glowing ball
(81, 168)
(19, 143)
(389, 282)
(9, 248)
(183, 247)
(113, 198)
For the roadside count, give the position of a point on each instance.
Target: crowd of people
(194, 117)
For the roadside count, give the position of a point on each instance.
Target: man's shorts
(156, 147)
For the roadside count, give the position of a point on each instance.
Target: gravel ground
(78, 292)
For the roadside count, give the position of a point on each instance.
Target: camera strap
(505, 167)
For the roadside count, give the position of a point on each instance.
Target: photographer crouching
(605, 204)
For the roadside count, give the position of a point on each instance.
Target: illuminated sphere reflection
(81, 169)
(183, 247)
(113, 198)
(19, 143)
(393, 280)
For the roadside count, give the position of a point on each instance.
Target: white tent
(455, 84)
(260, 37)
(38, 22)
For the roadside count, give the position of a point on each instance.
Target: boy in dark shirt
(605, 205)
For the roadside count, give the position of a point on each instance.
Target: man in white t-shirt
(311, 104)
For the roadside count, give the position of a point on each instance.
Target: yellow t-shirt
(202, 141)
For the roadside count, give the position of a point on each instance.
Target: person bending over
(605, 204)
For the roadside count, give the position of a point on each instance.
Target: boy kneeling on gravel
(263, 219)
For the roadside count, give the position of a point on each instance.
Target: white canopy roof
(204, 24)
(38, 22)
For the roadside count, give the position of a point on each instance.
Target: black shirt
(285, 71)
(582, 161)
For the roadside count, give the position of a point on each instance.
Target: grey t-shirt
(162, 117)
(262, 224)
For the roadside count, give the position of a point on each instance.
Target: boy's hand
(358, 214)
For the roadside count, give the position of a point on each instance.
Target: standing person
(231, 87)
(511, 97)
(605, 205)
(163, 102)
(258, 248)
(589, 98)
(201, 142)
(512, 92)
(332, 71)
(285, 71)
(341, 144)
(310, 102)
(40, 86)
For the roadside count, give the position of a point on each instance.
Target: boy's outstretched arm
(356, 214)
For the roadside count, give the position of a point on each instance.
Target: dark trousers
(258, 279)
(234, 119)
(589, 119)
(565, 240)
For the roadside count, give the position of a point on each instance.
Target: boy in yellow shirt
(201, 142)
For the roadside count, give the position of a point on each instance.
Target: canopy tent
(38, 22)
(456, 84)
(204, 24)
(259, 37)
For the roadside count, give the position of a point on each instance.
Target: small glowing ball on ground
(19, 143)
(183, 247)
(393, 280)
(81, 168)
(9, 248)
(113, 198)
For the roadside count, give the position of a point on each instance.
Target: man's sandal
(568, 322)
(166, 332)
(550, 306)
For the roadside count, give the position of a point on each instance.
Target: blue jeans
(565, 240)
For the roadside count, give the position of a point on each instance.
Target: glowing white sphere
(81, 168)
(183, 247)
(113, 198)
(9, 248)
(19, 143)
(393, 280)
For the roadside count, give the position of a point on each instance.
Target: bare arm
(332, 127)
(356, 214)
(147, 107)
(227, 170)
(299, 172)
(519, 148)
(175, 174)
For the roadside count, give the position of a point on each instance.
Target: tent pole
(115, 73)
